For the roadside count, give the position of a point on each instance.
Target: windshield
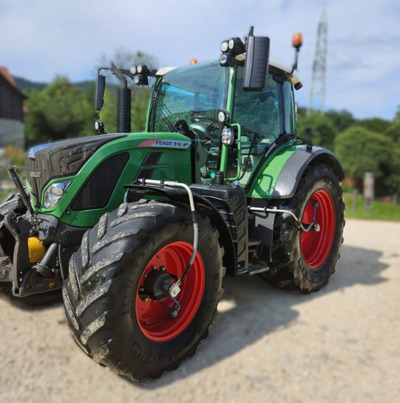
(192, 94)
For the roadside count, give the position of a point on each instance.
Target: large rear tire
(113, 301)
(305, 261)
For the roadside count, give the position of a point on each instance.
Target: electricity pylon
(317, 91)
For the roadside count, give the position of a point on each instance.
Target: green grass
(379, 211)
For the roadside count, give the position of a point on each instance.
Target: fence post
(369, 184)
(355, 199)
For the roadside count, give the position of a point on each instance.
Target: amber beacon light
(297, 40)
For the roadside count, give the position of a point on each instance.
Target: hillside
(24, 84)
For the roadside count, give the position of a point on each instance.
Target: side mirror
(256, 62)
(99, 92)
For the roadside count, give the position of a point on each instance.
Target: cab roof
(272, 63)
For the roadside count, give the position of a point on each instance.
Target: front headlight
(54, 192)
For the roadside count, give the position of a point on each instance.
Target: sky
(40, 39)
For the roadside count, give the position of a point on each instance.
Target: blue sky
(40, 39)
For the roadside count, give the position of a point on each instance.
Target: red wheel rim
(153, 316)
(315, 246)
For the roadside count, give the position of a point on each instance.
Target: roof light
(141, 79)
(236, 46)
(143, 69)
(226, 59)
(223, 116)
(297, 40)
(224, 46)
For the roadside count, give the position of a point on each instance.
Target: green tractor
(139, 229)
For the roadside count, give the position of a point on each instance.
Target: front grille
(152, 158)
(61, 159)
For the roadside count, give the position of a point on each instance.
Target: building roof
(6, 74)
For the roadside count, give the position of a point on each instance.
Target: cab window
(259, 119)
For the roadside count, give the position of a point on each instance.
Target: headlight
(54, 193)
(228, 136)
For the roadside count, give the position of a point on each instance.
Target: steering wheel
(203, 132)
(196, 118)
(200, 131)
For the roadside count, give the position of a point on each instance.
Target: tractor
(139, 229)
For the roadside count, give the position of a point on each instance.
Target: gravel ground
(340, 344)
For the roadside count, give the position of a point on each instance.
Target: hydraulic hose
(174, 289)
(283, 211)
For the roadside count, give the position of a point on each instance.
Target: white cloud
(40, 39)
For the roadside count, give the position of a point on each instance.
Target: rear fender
(280, 181)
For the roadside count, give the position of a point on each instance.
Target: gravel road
(267, 345)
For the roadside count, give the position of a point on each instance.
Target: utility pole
(317, 91)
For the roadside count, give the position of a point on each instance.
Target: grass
(380, 210)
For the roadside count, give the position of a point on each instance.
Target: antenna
(317, 91)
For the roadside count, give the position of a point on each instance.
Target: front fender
(279, 179)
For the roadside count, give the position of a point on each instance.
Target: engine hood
(60, 159)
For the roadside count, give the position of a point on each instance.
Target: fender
(137, 191)
(280, 182)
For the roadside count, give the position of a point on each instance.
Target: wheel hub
(162, 315)
(156, 285)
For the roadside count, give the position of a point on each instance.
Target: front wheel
(304, 261)
(116, 296)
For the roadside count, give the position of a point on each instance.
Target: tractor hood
(60, 159)
(77, 180)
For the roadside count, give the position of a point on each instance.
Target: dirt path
(340, 344)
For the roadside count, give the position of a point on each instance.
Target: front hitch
(28, 280)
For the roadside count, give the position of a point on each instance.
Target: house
(11, 111)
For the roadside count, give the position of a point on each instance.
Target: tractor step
(257, 268)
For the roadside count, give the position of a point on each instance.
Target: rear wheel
(305, 261)
(116, 296)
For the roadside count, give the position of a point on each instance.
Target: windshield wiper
(166, 120)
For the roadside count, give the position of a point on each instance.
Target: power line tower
(317, 91)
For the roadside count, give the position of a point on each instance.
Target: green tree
(341, 119)
(393, 132)
(377, 125)
(317, 129)
(140, 103)
(59, 111)
(396, 118)
(360, 150)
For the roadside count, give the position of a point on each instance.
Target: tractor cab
(232, 126)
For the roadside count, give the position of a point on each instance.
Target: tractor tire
(111, 297)
(304, 261)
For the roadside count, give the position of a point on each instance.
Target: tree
(393, 132)
(360, 150)
(59, 111)
(341, 119)
(318, 129)
(377, 125)
(396, 118)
